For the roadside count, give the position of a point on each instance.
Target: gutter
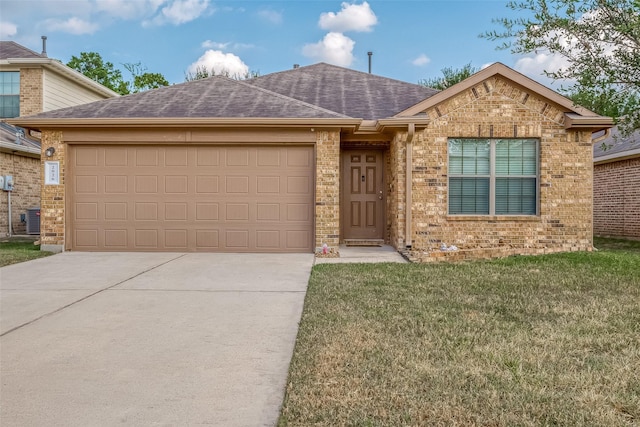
(411, 131)
(189, 122)
(15, 148)
(607, 133)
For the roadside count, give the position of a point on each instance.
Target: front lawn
(13, 252)
(523, 341)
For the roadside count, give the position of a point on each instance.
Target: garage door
(196, 198)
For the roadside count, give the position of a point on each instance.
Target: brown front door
(363, 195)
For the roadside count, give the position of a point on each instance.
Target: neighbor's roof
(11, 49)
(617, 147)
(213, 97)
(13, 55)
(14, 139)
(349, 92)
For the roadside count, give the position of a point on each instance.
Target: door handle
(380, 195)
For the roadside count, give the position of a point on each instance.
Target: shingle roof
(11, 49)
(349, 92)
(214, 97)
(617, 145)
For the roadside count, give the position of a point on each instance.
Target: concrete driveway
(148, 338)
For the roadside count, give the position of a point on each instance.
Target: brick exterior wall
(26, 193)
(31, 92)
(328, 191)
(52, 213)
(498, 109)
(616, 199)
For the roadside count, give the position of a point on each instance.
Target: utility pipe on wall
(9, 212)
(411, 130)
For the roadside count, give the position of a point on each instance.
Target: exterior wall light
(49, 151)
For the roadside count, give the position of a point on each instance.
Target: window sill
(494, 218)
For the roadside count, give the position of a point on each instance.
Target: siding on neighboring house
(60, 92)
(617, 199)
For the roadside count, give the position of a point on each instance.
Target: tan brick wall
(26, 193)
(497, 109)
(616, 199)
(52, 223)
(396, 182)
(31, 97)
(328, 190)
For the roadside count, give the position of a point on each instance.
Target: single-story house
(310, 158)
(616, 186)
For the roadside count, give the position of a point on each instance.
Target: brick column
(31, 87)
(328, 191)
(52, 224)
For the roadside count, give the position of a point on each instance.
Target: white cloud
(220, 62)
(535, 66)
(127, 9)
(271, 16)
(421, 60)
(72, 25)
(209, 44)
(179, 12)
(352, 17)
(7, 29)
(334, 48)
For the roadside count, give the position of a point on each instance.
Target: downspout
(411, 130)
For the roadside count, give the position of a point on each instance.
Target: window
(493, 176)
(9, 94)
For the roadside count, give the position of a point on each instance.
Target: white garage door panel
(231, 199)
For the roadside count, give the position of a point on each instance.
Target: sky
(410, 39)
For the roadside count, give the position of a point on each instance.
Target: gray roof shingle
(349, 92)
(11, 49)
(213, 97)
(617, 145)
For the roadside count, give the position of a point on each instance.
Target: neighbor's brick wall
(328, 190)
(52, 225)
(26, 193)
(497, 109)
(31, 91)
(616, 199)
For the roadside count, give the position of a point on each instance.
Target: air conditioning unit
(33, 221)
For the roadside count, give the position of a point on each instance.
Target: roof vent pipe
(44, 46)
(296, 66)
(370, 55)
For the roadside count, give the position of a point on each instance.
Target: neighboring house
(32, 83)
(616, 186)
(322, 155)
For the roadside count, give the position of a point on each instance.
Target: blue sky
(410, 40)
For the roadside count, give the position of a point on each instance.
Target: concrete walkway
(148, 339)
(367, 254)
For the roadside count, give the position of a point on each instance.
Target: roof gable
(11, 49)
(213, 97)
(345, 91)
(498, 69)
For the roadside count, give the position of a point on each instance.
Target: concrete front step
(364, 242)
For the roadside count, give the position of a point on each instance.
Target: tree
(143, 80)
(93, 66)
(598, 39)
(203, 72)
(449, 77)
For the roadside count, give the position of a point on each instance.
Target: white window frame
(492, 177)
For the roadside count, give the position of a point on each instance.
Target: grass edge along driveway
(524, 341)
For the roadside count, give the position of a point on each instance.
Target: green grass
(524, 341)
(15, 252)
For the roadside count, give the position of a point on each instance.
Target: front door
(363, 194)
